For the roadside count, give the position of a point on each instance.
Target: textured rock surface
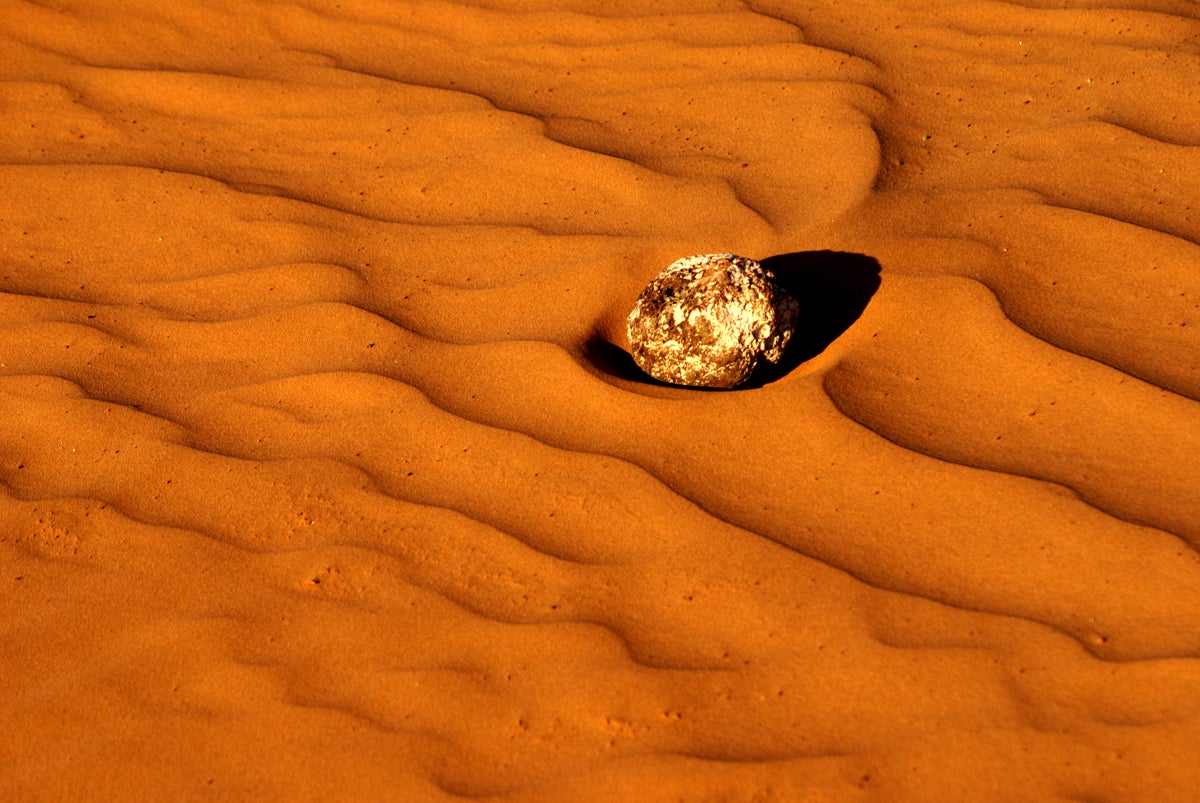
(709, 320)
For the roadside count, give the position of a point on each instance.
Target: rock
(709, 320)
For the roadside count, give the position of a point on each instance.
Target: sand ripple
(321, 473)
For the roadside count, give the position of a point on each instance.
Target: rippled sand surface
(323, 473)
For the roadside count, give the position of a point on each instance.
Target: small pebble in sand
(709, 320)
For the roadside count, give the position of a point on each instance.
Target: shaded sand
(323, 474)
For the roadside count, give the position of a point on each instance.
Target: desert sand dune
(324, 473)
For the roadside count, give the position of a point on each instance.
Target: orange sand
(322, 475)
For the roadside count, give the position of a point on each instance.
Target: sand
(324, 473)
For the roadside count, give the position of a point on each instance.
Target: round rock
(709, 320)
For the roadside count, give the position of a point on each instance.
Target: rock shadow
(833, 289)
(616, 362)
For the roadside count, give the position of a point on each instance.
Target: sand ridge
(321, 474)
